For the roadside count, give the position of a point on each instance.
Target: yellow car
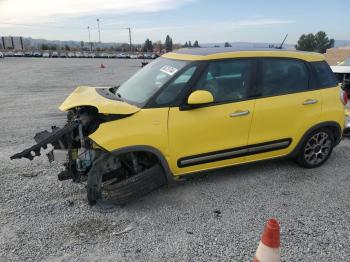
(195, 110)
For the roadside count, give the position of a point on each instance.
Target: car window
(145, 83)
(173, 89)
(227, 80)
(324, 74)
(283, 76)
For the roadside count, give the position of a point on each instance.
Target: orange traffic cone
(269, 246)
(102, 66)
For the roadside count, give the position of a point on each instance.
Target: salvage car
(195, 110)
(342, 71)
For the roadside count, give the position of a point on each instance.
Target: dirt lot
(218, 217)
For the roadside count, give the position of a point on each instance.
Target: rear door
(285, 109)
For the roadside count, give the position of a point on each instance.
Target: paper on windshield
(168, 70)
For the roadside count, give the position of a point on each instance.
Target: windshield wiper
(119, 95)
(114, 89)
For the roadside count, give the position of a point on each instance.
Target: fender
(332, 124)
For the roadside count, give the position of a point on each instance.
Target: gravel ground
(217, 217)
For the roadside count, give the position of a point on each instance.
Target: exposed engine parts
(86, 161)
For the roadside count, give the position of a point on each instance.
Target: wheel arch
(334, 126)
(144, 148)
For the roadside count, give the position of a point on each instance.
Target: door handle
(310, 102)
(240, 113)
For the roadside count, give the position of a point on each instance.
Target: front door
(213, 135)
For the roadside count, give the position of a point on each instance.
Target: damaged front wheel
(124, 178)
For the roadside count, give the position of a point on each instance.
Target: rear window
(324, 74)
(283, 76)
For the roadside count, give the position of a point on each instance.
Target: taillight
(343, 97)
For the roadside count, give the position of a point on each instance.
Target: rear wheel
(316, 149)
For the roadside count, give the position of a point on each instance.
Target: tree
(158, 46)
(323, 42)
(186, 44)
(227, 44)
(168, 44)
(189, 44)
(195, 44)
(314, 43)
(306, 43)
(44, 47)
(148, 46)
(67, 48)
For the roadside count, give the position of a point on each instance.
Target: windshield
(146, 82)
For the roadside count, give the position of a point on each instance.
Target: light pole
(88, 28)
(130, 39)
(99, 31)
(130, 45)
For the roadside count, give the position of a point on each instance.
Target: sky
(208, 21)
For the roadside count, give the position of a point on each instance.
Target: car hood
(100, 97)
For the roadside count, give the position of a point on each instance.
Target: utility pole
(99, 31)
(281, 46)
(88, 28)
(130, 39)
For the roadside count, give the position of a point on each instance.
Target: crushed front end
(70, 144)
(122, 177)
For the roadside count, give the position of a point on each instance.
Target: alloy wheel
(317, 148)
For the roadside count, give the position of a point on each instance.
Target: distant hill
(36, 44)
(340, 43)
(245, 45)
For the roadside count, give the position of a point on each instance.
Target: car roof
(214, 53)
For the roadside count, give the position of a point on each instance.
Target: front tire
(136, 186)
(316, 149)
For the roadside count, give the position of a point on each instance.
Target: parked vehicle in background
(113, 55)
(71, 55)
(9, 54)
(18, 54)
(46, 54)
(342, 71)
(54, 54)
(133, 56)
(140, 56)
(37, 54)
(2, 55)
(104, 55)
(63, 54)
(232, 107)
(123, 55)
(79, 55)
(28, 54)
(147, 56)
(91, 55)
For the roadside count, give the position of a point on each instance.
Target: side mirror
(200, 97)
